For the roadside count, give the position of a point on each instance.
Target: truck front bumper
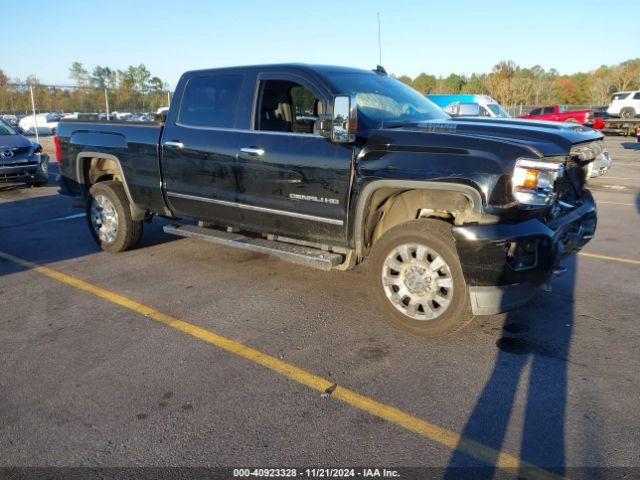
(504, 263)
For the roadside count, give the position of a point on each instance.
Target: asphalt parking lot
(90, 378)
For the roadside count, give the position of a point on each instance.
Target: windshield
(385, 101)
(498, 111)
(6, 129)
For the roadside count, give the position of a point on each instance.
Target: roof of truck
(320, 69)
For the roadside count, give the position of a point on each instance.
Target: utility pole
(106, 102)
(35, 117)
(379, 42)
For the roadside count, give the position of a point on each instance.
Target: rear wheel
(109, 217)
(418, 279)
(627, 112)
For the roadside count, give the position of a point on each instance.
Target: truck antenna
(379, 42)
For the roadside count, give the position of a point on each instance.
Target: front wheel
(418, 280)
(109, 217)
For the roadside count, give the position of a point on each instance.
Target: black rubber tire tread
(129, 230)
(436, 234)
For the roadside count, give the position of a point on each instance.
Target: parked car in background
(122, 115)
(625, 104)
(560, 113)
(488, 106)
(10, 119)
(47, 123)
(599, 118)
(21, 159)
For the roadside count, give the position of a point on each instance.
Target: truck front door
(291, 180)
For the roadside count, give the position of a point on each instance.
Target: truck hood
(545, 138)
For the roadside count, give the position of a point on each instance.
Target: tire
(108, 203)
(436, 241)
(627, 112)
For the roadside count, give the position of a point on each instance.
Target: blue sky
(434, 36)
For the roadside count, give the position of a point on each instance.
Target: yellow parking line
(622, 178)
(393, 415)
(607, 257)
(599, 202)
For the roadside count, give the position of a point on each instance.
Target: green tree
(454, 83)
(79, 74)
(103, 77)
(405, 79)
(474, 84)
(424, 83)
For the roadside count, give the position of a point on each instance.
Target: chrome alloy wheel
(417, 281)
(104, 218)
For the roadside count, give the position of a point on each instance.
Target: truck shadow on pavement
(535, 340)
(47, 228)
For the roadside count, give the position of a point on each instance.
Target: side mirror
(465, 110)
(345, 119)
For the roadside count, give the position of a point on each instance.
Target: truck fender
(473, 195)
(137, 213)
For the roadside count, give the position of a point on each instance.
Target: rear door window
(535, 111)
(636, 96)
(548, 110)
(211, 101)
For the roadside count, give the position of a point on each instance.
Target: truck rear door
(199, 146)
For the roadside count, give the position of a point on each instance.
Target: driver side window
(286, 106)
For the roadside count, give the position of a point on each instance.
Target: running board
(307, 256)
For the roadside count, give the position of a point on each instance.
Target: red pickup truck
(557, 113)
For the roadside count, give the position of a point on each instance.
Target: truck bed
(135, 145)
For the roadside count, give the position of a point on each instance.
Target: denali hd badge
(313, 198)
(440, 127)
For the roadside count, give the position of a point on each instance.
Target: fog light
(522, 254)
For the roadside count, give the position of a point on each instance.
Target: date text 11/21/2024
(315, 473)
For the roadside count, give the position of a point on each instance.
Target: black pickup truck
(327, 166)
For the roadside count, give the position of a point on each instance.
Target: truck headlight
(586, 152)
(533, 181)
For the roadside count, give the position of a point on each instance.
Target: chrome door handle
(174, 144)
(256, 152)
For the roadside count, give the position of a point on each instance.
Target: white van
(453, 104)
(625, 104)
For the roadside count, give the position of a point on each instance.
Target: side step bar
(307, 256)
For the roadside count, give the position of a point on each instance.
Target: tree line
(511, 84)
(132, 89)
(136, 89)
